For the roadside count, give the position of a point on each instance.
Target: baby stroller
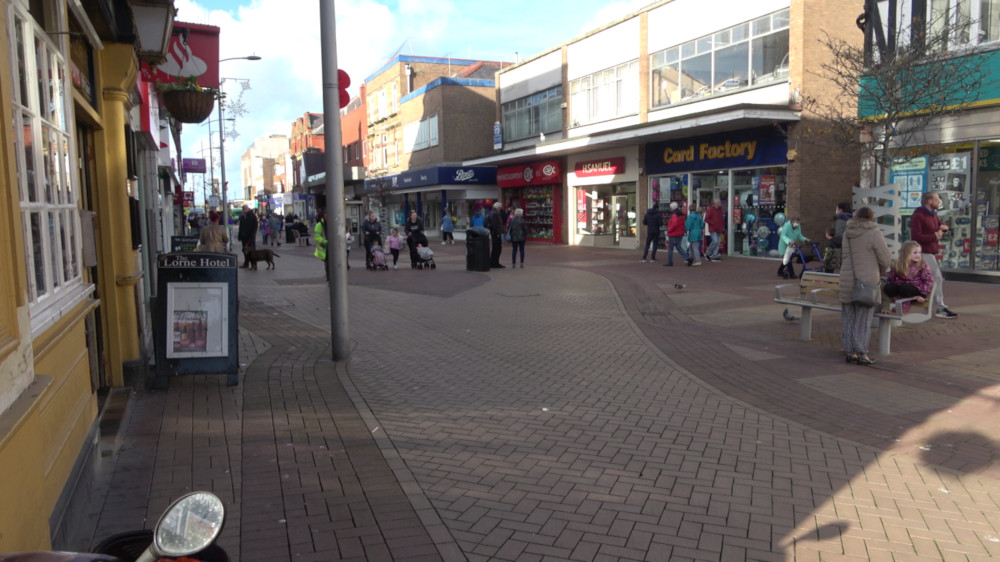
(378, 263)
(424, 256)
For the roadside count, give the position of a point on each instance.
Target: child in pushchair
(424, 255)
(377, 261)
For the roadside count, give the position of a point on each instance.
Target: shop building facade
(425, 116)
(958, 156)
(655, 107)
(84, 192)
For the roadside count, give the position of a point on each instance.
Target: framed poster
(197, 320)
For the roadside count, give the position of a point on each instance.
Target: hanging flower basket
(189, 106)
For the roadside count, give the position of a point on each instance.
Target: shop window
(533, 115)
(733, 58)
(605, 95)
(46, 180)
(421, 135)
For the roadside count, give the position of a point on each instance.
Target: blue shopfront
(745, 169)
(459, 190)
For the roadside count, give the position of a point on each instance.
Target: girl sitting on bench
(909, 276)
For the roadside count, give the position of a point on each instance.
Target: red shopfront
(537, 188)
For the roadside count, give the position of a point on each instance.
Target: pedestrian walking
(653, 221)
(414, 235)
(447, 228)
(866, 257)
(371, 230)
(395, 245)
(832, 254)
(716, 223)
(247, 232)
(350, 241)
(675, 235)
(275, 224)
(788, 243)
(214, 237)
(518, 232)
(927, 229)
(694, 226)
(495, 223)
(321, 251)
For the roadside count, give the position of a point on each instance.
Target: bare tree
(887, 92)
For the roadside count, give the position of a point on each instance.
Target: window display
(538, 211)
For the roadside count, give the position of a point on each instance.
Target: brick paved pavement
(583, 409)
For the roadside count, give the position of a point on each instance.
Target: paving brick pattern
(579, 409)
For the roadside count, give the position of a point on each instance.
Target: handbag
(863, 293)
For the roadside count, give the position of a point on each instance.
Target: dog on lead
(253, 256)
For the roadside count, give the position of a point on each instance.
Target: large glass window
(746, 54)
(605, 95)
(48, 192)
(532, 115)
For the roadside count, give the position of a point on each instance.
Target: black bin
(477, 248)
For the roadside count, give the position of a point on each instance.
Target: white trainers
(696, 263)
(395, 267)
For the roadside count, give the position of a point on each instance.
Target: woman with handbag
(865, 258)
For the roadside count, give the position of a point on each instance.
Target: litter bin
(477, 247)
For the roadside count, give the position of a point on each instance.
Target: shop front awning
(689, 125)
(435, 178)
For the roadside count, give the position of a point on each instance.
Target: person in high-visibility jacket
(319, 233)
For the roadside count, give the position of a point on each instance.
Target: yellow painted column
(118, 268)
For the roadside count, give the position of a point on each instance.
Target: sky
(287, 81)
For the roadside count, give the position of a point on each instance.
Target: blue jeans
(651, 240)
(514, 248)
(713, 245)
(675, 242)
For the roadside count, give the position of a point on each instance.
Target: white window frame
(48, 183)
(421, 134)
(595, 97)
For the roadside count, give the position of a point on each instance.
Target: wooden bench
(816, 290)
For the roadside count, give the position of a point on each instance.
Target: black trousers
(902, 291)
(496, 248)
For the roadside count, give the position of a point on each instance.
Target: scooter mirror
(189, 525)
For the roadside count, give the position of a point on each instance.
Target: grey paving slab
(581, 408)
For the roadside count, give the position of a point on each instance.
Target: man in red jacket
(926, 229)
(716, 224)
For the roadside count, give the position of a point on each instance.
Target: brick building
(424, 116)
(666, 104)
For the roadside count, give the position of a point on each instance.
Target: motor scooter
(187, 529)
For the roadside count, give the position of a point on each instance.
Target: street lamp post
(222, 143)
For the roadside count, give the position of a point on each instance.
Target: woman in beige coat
(866, 257)
(214, 236)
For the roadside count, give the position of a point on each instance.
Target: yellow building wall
(43, 432)
(47, 405)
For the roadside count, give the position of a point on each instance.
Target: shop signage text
(708, 151)
(178, 261)
(758, 147)
(439, 175)
(535, 173)
(604, 167)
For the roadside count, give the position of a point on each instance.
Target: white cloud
(287, 81)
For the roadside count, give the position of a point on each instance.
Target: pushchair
(425, 258)
(424, 255)
(803, 256)
(377, 261)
